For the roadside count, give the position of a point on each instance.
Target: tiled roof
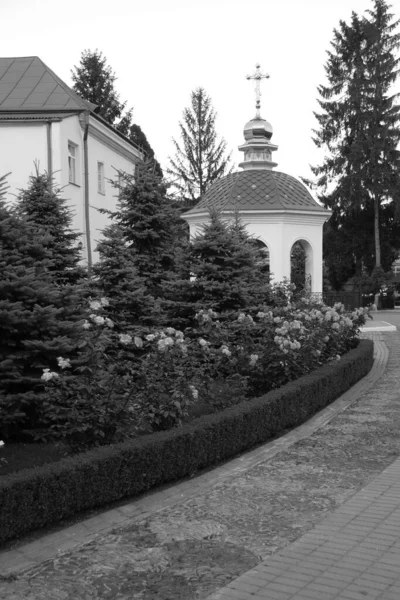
(27, 84)
(257, 190)
(35, 116)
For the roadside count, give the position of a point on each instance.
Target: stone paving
(231, 532)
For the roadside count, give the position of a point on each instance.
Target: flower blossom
(150, 337)
(104, 302)
(86, 325)
(99, 320)
(138, 341)
(63, 363)
(335, 326)
(253, 359)
(109, 323)
(225, 350)
(195, 392)
(164, 343)
(203, 343)
(170, 331)
(95, 305)
(125, 338)
(48, 375)
(241, 317)
(1, 443)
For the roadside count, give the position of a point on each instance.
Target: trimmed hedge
(33, 498)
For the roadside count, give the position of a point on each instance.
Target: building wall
(279, 232)
(20, 145)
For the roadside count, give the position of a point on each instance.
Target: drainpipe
(86, 192)
(49, 155)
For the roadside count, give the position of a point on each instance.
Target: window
(100, 178)
(72, 154)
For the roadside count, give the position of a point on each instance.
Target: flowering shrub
(122, 383)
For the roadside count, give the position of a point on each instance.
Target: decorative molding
(113, 141)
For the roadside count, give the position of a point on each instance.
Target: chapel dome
(257, 128)
(258, 190)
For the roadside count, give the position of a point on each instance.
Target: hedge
(37, 497)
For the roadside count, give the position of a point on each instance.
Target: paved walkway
(353, 553)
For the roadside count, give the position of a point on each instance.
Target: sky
(162, 50)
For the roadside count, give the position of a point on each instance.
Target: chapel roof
(27, 84)
(259, 190)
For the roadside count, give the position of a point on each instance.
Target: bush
(37, 497)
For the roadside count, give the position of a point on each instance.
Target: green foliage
(222, 269)
(90, 405)
(39, 497)
(45, 210)
(199, 159)
(359, 129)
(94, 81)
(147, 222)
(137, 135)
(37, 321)
(116, 278)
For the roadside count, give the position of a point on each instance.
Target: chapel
(278, 209)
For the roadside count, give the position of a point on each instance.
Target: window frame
(101, 183)
(72, 162)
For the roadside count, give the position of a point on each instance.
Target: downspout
(86, 192)
(49, 156)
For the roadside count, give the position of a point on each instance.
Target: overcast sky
(162, 49)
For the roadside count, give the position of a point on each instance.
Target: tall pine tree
(359, 128)
(94, 80)
(200, 158)
(39, 321)
(45, 209)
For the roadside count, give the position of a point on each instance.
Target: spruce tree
(94, 80)
(223, 269)
(116, 278)
(200, 159)
(145, 232)
(39, 321)
(359, 128)
(137, 136)
(45, 209)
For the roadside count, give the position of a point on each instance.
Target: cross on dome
(257, 76)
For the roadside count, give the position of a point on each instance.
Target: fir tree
(359, 129)
(137, 136)
(45, 209)
(116, 278)
(223, 269)
(94, 80)
(200, 159)
(145, 229)
(39, 321)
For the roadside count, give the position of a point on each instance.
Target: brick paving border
(25, 556)
(354, 554)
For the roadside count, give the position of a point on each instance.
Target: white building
(277, 208)
(43, 120)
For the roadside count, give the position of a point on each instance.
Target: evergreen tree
(137, 136)
(222, 269)
(359, 129)
(146, 229)
(200, 159)
(46, 210)
(94, 81)
(116, 278)
(39, 321)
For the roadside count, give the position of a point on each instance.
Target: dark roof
(35, 116)
(257, 190)
(27, 84)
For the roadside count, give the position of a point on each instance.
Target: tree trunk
(376, 233)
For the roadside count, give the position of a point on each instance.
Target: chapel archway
(265, 261)
(301, 267)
